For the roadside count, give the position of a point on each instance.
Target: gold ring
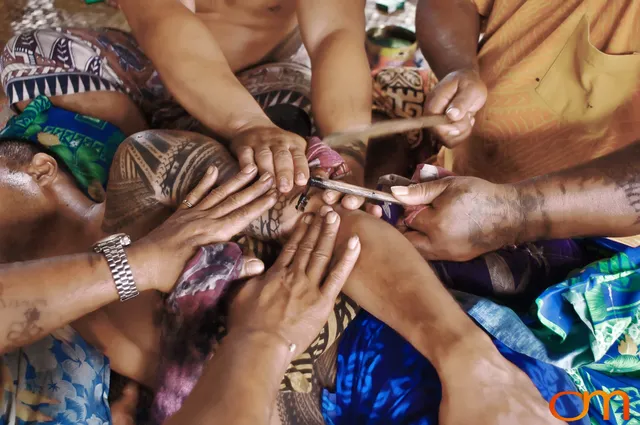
(187, 204)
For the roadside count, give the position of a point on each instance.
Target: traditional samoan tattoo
(268, 228)
(154, 170)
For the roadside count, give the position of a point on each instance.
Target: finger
(374, 210)
(203, 187)
(243, 197)
(251, 267)
(300, 166)
(291, 247)
(234, 184)
(470, 97)
(422, 243)
(440, 97)
(283, 162)
(321, 255)
(452, 134)
(308, 244)
(239, 219)
(421, 193)
(352, 202)
(338, 275)
(264, 160)
(330, 197)
(124, 409)
(246, 156)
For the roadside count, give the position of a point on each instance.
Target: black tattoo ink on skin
(21, 332)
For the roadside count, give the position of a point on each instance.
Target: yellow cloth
(564, 86)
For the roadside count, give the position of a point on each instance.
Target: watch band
(113, 250)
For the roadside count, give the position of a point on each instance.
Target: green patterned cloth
(86, 145)
(596, 313)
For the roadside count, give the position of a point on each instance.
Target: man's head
(32, 183)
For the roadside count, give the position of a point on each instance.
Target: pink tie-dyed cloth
(193, 320)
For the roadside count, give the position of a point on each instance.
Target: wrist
(248, 122)
(270, 343)
(142, 266)
(530, 221)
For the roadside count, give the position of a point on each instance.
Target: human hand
(459, 95)
(293, 299)
(491, 389)
(276, 151)
(123, 410)
(214, 216)
(465, 217)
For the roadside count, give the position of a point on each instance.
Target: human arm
(196, 72)
(288, 305)
(448, 32)
(333, 32)
(468, 217)
(32, 310)
(393, 283)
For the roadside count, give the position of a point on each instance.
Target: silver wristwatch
(113, 249)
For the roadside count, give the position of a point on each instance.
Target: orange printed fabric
(563, 79)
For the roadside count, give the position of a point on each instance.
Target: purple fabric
(191, 323)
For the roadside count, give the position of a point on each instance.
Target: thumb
(123, 410)
(419, 194)
(251, 267)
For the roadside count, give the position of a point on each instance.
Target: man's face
(21, 199)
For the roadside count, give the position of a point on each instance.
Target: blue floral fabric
(58, 380)
(382, 379)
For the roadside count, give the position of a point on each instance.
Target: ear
(43, 169)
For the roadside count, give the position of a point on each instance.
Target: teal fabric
(86, 145)
(587, 325)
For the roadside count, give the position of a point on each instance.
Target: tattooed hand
(464, 217)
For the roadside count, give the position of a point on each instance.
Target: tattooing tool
(380, 129)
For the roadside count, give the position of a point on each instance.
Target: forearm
(239, 384)
(448, 32)
(37, 297)
(195, 71)
(600, 198)
(399, 288)
(341, 100)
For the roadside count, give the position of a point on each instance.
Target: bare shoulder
(155, 169)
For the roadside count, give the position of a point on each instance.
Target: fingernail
(249, 169)
(353, 242)
(332, 217)
(265, 177)
(210, 169)
(300, 178)
(284, 183)
(453, 113)
(330, 195)
(308, 218)
(324, 210)
(455, 132)
(473, 121)
(254, 266)
(400, 190)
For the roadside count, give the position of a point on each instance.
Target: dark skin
(468, 216)
(448, 32)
